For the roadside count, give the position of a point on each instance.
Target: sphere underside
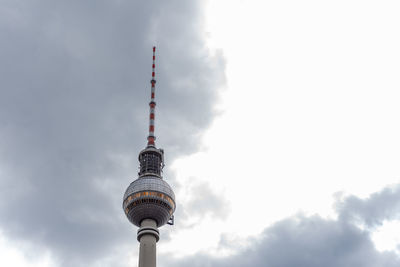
(149, 197)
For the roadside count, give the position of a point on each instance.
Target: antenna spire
(151, 138)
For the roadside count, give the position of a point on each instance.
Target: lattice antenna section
(151, 138)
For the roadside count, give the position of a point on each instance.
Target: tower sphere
(149, 197)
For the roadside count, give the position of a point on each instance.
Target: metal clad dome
(149, 197)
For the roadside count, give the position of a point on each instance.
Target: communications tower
(149, 201)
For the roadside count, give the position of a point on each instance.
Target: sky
(279, 121)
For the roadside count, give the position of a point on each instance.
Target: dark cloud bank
(313, 241)
(75, 86)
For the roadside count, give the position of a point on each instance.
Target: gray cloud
(73, 112)
(310, 241)
(301, 241)
(380, 206)
(200, 195)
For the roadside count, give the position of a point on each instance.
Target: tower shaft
(148, 237)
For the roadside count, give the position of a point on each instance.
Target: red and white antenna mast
(151, 138)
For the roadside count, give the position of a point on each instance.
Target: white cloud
(13, 254)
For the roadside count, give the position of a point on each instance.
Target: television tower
(149, 201)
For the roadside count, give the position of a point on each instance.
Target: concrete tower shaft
(148, 236)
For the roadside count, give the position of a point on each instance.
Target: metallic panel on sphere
(159, 207)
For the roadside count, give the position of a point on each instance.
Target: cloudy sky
(279, 120)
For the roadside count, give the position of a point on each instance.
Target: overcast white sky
(310, 110)
(279, 120)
